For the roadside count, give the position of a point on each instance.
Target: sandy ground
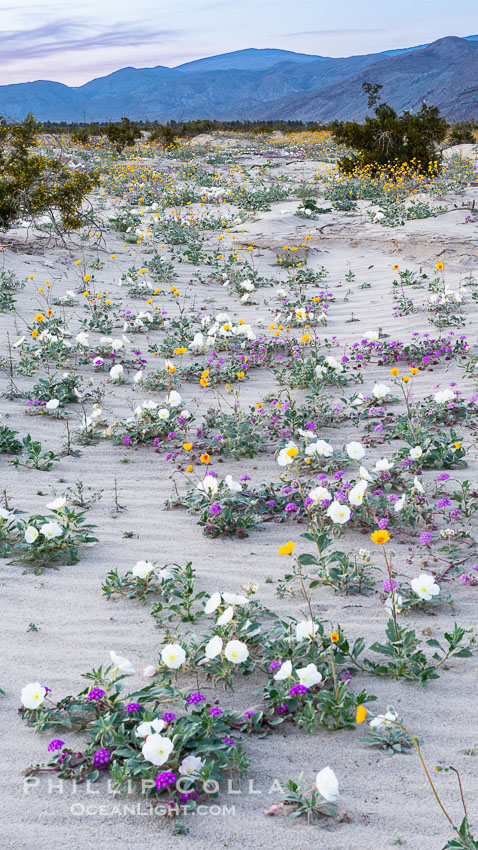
(387, 799)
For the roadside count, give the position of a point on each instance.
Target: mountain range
(264, 84)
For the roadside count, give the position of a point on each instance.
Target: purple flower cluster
(163, 780)
(101, 759)
(195, 698)
(56, 744)
(169, 716)
(132, 707)
(96, 694)
(297, 690)
(215, 711)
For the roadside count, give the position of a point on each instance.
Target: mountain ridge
(305, 87)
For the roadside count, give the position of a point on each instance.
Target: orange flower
(361, 714)
(334, 637)
(396, 266)
(205, 458)
(287, 548)
(380, 536)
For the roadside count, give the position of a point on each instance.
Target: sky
(73, 42)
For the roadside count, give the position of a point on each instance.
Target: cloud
(62, 36)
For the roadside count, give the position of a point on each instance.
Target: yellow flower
(86, 277)
(205, 458)
(34, 333)
(39, 317)
(181, 350)
(361, 714)
(396, 266)
(406, 379)
(439, 267)
(239, 374)
(203, 382)
(414, 371)
(287, 548)
(394, 371)
(305, 338)
(189, 469)
(292, 452)
(334, 637)
(457, 445)
(380, 536)
(187, 447)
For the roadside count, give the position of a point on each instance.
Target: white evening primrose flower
(142, 569)
(320, 494)
(149, 727)
(355, 450)
(137, 378)
(82, 339)
(116, 372)
(425, 586)
(306, 628)
(371, 336)
(415, 452)
(163, 413)
(309, 676)
(334, 364)
(338, 513)
(365, 474)
(381, 391)
(442, 396)
(174, 399)
(357, 493)
(149, 671)
(418, 485)
(33, 695)
(383, 721)
(327, 784)
(31, 534)
(57, 504)
(287, 454)
(284, 671)
(209, 484)
(383, 465)
(236, 651)
(50, 530)
(157, 749)
(320, 448)
(213, 602)
(234, 486)
(213, 647)
(397, 599)
(399, 504)
(123, 665)
(226, 616)
(173, 655)
(52, 404)
(235, 599)
(190, 766)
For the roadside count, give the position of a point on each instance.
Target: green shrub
(32, 184)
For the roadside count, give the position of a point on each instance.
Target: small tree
(391, 139)
(123, 135)
(33, 184)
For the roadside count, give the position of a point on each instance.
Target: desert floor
(387, 800)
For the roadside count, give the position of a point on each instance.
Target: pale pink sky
(74, 42)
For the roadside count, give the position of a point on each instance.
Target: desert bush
(32, 184)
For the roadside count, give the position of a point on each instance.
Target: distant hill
(264, 84)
